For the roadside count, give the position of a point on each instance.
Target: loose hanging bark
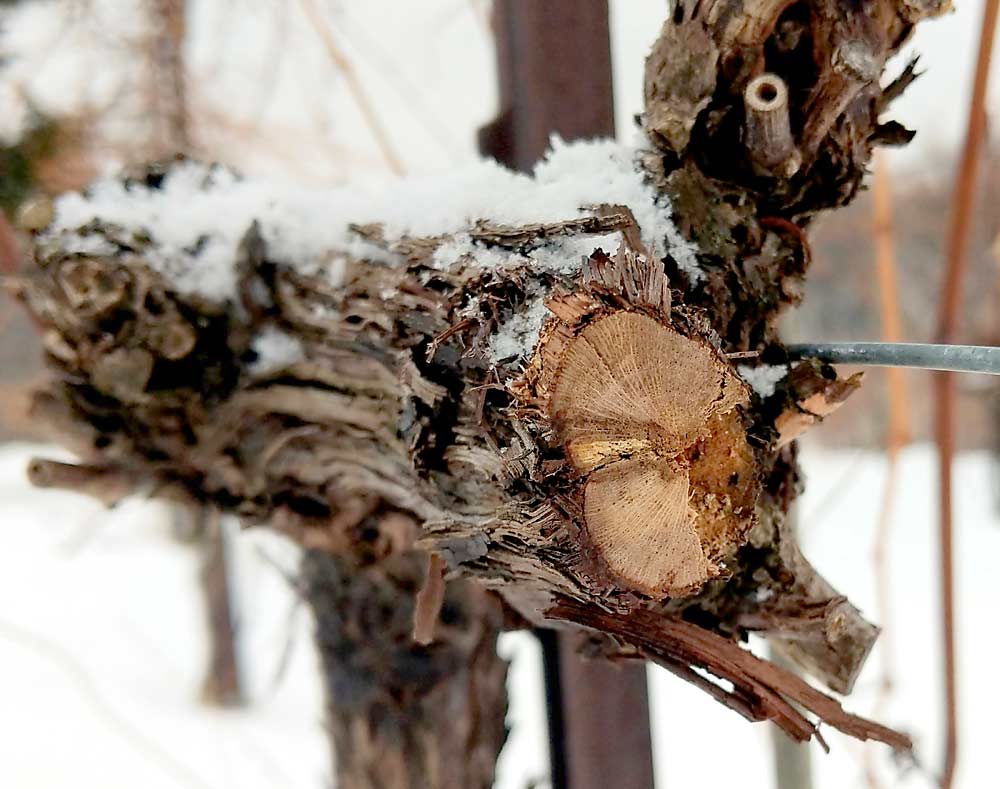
(408, 395)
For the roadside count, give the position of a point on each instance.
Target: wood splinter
(768, 131)
(819, 400)
(430, 598)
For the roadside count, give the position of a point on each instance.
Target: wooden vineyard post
(554, 69)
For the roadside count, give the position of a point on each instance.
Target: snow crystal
(275, 349)
(462, 245)
(94, 246)
(198, 215)
(596, 172)
(763, 378)
(517, 336)
(566, 255)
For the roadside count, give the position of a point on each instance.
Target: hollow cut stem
(768, 131)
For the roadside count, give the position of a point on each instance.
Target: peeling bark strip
(535, 388)
(761, 690)
(429, 601)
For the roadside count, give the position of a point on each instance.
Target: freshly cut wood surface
(631, 396)
(628, 384)
(637, 512)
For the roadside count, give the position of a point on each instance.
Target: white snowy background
(102, 642)
(102, 648)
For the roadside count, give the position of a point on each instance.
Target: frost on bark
(549, 382)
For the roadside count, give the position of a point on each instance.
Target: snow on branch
(197, 215)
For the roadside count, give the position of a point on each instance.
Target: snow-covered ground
(102, 645)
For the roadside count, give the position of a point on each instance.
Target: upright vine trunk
(544, 383)
(400, 714)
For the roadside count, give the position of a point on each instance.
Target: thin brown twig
(958, 245)
(900, 419)
(430, 598)
(170, 29)
(357, 91)
(899, 434)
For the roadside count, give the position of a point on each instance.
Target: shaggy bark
(510, 465)
(402, 714)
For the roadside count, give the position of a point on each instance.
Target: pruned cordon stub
(651, 418)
